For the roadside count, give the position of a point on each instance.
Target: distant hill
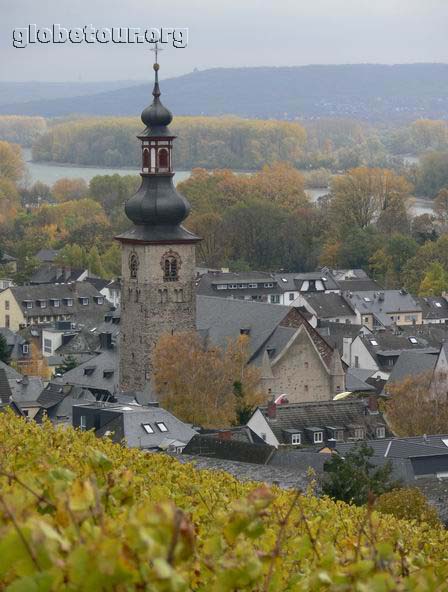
(35, 92)
(362, 91)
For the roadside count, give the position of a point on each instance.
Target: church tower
(158, 254)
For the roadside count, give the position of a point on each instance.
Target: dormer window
(296, 439)
(318, 437)
(380, 432)
(25, 348)
(28, 303)
(84, 301)
(68, 301)
(89, 370)
(42, 303)
(98, 299)
(359, 433)
(55, 302)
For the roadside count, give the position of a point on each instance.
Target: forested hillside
(361, 91)
(81, 513)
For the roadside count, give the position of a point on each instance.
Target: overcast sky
(224, 33)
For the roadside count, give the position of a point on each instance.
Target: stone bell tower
(158, 254)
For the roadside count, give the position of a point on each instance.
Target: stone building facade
(158, 255)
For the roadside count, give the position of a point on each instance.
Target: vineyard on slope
(79, 513)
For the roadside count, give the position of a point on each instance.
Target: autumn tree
(69, 189)
(407, 503)
(441, 206)
(364, 195)
(12, 165)
(197, 381)
(418, 405)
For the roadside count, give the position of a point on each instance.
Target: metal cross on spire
(156, 50)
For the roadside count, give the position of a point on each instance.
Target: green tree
(4, 349)
(354, 478)
(433, 173)
(435, 281)
(68, 363)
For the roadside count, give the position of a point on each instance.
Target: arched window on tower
(133, 265)
(170, 269)
(146, 159)
(163, 159)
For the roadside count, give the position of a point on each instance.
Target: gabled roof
(5, 389)
(411, 364)
(221, 318)
(15, 343)
(329, 305)
(359, 285)
(334, 333)
(93, 374)
(339, 414)
(47, 255)
(434, 307)
(130, 419)
(355, 384)
(210, 445)
(401, 447)
(383, 302)
(51, 274)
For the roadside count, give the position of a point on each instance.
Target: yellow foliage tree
(197, 382)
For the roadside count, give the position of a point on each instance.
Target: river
(50, 172)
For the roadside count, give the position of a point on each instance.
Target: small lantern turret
(156, 139)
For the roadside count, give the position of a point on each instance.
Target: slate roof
(222, 318)
(434, 307)
(7, 258)
(329, 305)
(15, 343)
(323, 414)
(411, 364)
(401, 447)
(359, 285)
(91, 374)
(26, 388)
(209, 445)
(127, 422)
(391, 301)
(47, 255)
(60, 292)
(5, 389)
(355, 384)
(334, 333)
(390, 344)
(52, 274)
(286, 477)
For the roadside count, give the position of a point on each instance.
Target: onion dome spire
(156, 116)
(157, 209)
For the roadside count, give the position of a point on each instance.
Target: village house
(318, 424)
(384, 308)
(21, 306)
(293, 358)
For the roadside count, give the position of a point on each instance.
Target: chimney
(272, 409)
(372, 403)
(105, 341)
(225, 435)
(347, 350)
(331, 444)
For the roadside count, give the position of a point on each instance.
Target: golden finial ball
(156, 67)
